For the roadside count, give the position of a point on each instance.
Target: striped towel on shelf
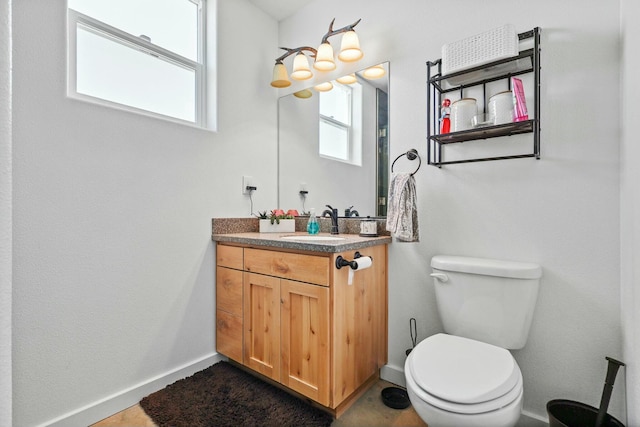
(402, 212)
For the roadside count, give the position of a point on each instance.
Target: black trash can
(567, 413)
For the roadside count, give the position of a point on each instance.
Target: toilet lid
(463, 370)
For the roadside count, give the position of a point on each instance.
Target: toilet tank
(487, 300)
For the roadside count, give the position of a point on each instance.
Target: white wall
(630, 206)
(561, 211)
(113, 260)
(5, 213)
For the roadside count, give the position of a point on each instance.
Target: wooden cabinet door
(229, 290)
(229, 312)
(229, 335)
(305, 339)
(262, 324)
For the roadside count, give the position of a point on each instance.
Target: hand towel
(402, 211)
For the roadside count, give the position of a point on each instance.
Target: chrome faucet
(333, 213)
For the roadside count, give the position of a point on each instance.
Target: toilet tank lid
(488, 267)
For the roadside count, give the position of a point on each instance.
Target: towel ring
(411, 155)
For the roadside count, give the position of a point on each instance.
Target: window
(341, 123)
(141, 55)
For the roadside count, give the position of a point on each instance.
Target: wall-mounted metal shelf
(526, 62)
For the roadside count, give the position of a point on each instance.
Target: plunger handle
(612, 371)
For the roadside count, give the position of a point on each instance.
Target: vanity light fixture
(323, 57)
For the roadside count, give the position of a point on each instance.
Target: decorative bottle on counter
(312, 226)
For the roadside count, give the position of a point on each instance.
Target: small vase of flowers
(276, 222)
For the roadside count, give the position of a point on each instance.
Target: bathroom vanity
(286, 311)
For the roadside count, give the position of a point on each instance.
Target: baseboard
(393, 374)
(115, 403)
(529, 419)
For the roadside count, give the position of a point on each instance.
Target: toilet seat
(464, 376)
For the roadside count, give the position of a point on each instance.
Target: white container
(285, 226)
(499, 43)
(368, 227)
(501, 107)
(462, 113)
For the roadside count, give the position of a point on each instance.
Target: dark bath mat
(223, 395)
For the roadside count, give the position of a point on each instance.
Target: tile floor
(367, 411)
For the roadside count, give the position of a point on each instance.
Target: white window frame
(76, 19)
(353, 128)
(340, 125)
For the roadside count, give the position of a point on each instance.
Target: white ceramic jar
(368, 227)
(501, 107)
(462, 111)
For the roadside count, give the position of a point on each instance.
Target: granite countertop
(245, 231)
(347, 242)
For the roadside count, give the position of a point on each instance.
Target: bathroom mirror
(335, 147)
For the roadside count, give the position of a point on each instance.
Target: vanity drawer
(229, 256)
(229, 290)
(301, 267)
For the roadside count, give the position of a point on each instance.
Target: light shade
(350, 47)
(324, 87)
(348, 79)
(374, 72)
(301, 70)
(280, 76)
(324, 58)
(304, 93)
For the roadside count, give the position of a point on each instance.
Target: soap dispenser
(312, 226)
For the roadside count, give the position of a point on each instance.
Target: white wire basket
(492, 45)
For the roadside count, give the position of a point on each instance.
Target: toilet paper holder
(341, 262)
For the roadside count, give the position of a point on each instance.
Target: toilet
(466, 377)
